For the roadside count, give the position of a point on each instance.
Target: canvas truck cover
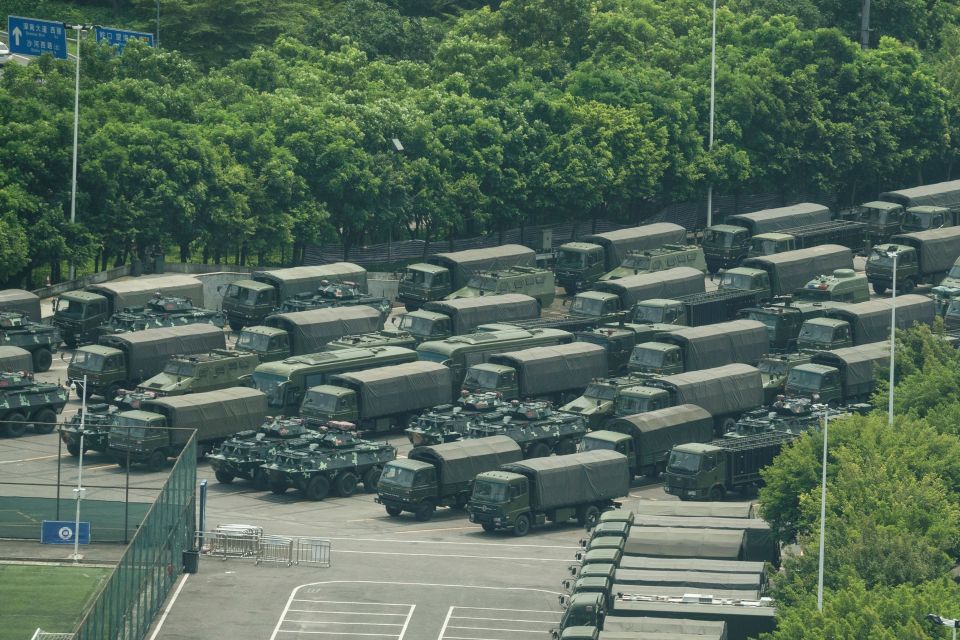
(21, 301)
(295, 280)
(692, 564)
(616, 244)
(742, 622)
(715, 345)
(672, 591)
(462, 264)
(759, 544)
(870, 320)
(311, 330)
(15, 359)
(461, 461)
(466, 314)
(214, 414)
(573, 479)
(857, 363)
(671, 283)
(658, 431)
(642, 628)
(555, 368)
(694, 509)
(728, 389)
(136, 292)
(938, 249)
(147, 351)
(940, 194)
(680, 542)
(398, 388)
(768, 220)
(792, 270)
(695, 580)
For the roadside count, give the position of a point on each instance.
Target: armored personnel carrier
(244, 455)
(788, 415)
(41, 340)
(161, 311)
(25, 402)
(382, 338)
(535, 426)
(336, 294)
(449, 422)
(337, 460)
(96, 429)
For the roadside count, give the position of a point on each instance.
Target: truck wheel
(14, 425)
(566, 447)
(727, 425)
(260, 480)
(236, 325)
(538, 450)
(346, 484)
(317, 488)
(393, 512)
(571, 290)
(156, 461)
(716, 494)
(223, 477)
(121, 459)
(879, 289)
(371, 479)
(589, 517)
(409, 306)
(424, 511)
(908, 286)
(44, 421)
(73, 449)
(278, 487)
(462, 500)
(42, 359)
(522, 526)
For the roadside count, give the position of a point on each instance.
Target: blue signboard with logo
(61, 532)
(33, 37)
(119, 37)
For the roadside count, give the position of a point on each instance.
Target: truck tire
(424, 511)
(522, 526)
(223, 477)
(371, 479)
(879, 289)
(278, 487)
(14, 425)
(73, 449)
(156, 461)
(317, 488)
(235, 325)
(727, 425)
(591, 516)
(112, 392)
(538, 450)
(716, 494)
(393, 512)
(488, 527)
(42, 359)
(566, 447)
(908, 285)
(260, 480)
(45, 421)
(571, 290)
(346, 484)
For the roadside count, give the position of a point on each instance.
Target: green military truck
(841, 376)
(580, 264)
(693, 310)
(727, 245)
(125, 360)
(381, 399)
(532, 492)
(660, 628)
(855, 324)
(163, 426)
(441, 475)
(610, 297)
(41, 340)
(531, 281)
(775, 368)
(161, 311)
(939, 194)
(445, 318)
(849, 233)
(783, 273)
(660, 259)
(928, 218)
(286, 381)
(26, 403)
(15, 359)
(444, 273)
(549, 373)
(883, 219)
(292, 334)
(20, 301)
(248, 302)
(694, 348)
(79, 314)
(923, 257)
(646, 439)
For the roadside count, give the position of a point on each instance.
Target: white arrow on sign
(16, 35)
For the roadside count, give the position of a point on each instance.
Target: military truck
(41, 340)
(459, 352)
(552, 372)
(775, 368)
(646, 438)
(386, 337)
(662, 628)
(940, 194)
(660, 259)
(782, 273)
(125, 360)
(598, 403)
(440, 475)
(161, 311)
(883, 219)
(923, 257)
(244, 455)
(15, 359)
(378, 400)
(709, 471)
(20, 301)
(927, 218)
(533, 425)
(249, 302)
(848, 233)
(79, 314)
(163, 426)
(335, 294)
(444, 273)
(24, 403)
(446, 318)
(694, 348)
(449, 422)
(580, 264)
(841, 376)
(97, 420)
(844, 285)
(726, 245)
(854, 324)
(292, 334)
(693, 310)
(618, 341)
(725, 392)
(612, 296)
(530, 281)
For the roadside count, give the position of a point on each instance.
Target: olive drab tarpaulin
(310, 331)
(461, 461)
(680, 542)
(656, 432)
(858, 364)
(577, 478)
(669, 284)
(296, 280)
(732, 388)
(694, 509)
(692, 564)
(466, 314)
(400, 388)
(692, 579)
(214, 414)
(759, 543)
(545, 370)
(463, 264)
(15, 359)
(715, 345)
(870, 321)
(742, 622)
(618, 243)
(136, 292)
(792, 270)
(937, 249)
(666, 628)
(20, 301)
(939, 194)
(769, 220)
(148, 350)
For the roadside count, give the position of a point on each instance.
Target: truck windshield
(718, 238)
(918, 221)
(488, 491)
(480, 379)
(177, 368)
(320, 402)
(954, 308)
(587, 306)
(241, 294)
(800, 379)
(763, 247)
(630, 405)
(136, 428)
(397, 476)
(601, 392)
(267, 382)
(954, 272)
(875, 216)
(432, 356)
(568, 259)
(643, 314)
(87, 360)
(739, 281)
(416, 325)
(773, 367)
(72, 308)
(252, 341)
(642, 357)
(639, 262)
(414, 276)
(816, 333)
(597, 444)
(683, 462)
(880, 258)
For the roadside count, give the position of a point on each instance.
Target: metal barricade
(40, 634)
(233, 541)
(313, 552)
(276, 550)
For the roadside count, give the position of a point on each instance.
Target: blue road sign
(32, 37)
(119, 37)
(61, 532)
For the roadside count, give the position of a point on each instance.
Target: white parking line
(342, 618)
(469, 626)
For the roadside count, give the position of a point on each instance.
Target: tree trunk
(185, 251)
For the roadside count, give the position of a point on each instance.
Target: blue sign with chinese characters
(61, 532)
(119, 37)
(33, 37)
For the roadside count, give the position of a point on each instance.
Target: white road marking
(495, 624)
(446, 621)
(450, 555)
(333, 619)
(166, 611)
(28, 459)
(483, 543)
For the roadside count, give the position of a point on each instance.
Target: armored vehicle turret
(244, 455)
(535, 426)
(449, 422)
(41, 340)
(160, 311)
(335, 294)
(25, 403)
(96, 429)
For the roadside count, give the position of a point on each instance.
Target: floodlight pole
(713, 78)
(80, 28)
(893, 337)
(80, 490)
(823, 507)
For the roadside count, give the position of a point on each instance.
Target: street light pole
(947, 622)
(80, 490)
(713, 79)
(823, 506)
(76, 120)
(893, 336)
(158, 24)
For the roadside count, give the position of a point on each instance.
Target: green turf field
(52, 598)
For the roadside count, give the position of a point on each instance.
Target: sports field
(49, 597)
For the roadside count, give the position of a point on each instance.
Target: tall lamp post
(823, 505)
(893, 335)
(158, 24)
(713, 79)
(79, 491)
(947, 622)
(80, 28)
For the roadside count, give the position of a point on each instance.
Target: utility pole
(80, 28)
(865, 24)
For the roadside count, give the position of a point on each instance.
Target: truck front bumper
(684, 493)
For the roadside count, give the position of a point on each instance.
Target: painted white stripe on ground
(166, 611)
(483, 543)
(350, 613)
(406, 624)
(446, 621)
(451, 555)
(503, 620)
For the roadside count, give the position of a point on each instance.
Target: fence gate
(314, 552)
(249, 541)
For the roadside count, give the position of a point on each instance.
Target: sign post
(35, 37)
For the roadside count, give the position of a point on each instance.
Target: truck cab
(783, 322)
(105, 368)
(248, 302)
(499, 497)
(951, 317)
(425, 325)
(421, 283)
(809, 380)
(578, 265)
(883, 219)
(596, 404)
(824, 334)
(583, 615)
(656, 357)
(953, 276)
(666, 257)
(925, 218)
(725, 246)
(496, 378)
(142, 435)
(530, 281)
(215, 370)
(612, 441)
(78, 315)
(695, 471)
(595, 304)
(844, 285)
(641, 400)
(659, 311)
(880, 268)
(618, 342)
(327, 403)
(269, 343)
(406, 483)
(774, 370)
(767, 244)
(744, 279)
